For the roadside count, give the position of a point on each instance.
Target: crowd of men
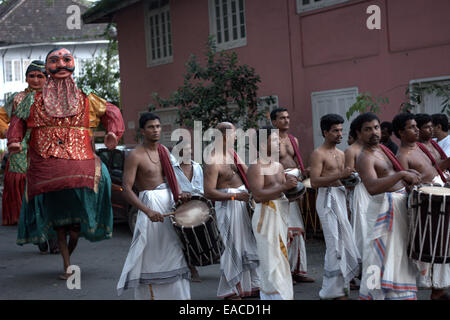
(365, 225)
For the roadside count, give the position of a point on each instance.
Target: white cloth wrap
(155, 256)
(269, 224)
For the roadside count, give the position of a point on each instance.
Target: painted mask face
(36, 79)
(60, 64)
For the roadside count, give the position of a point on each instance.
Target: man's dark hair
(147, 116)
(363, 118)
(421, 119)
(440, 118)
(352, 133)
(399, 122)
(386, 125)
(328, 120)
(274, 113)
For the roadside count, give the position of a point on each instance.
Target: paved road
(26, 274)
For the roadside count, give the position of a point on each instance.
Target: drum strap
(168, 172)
(433, 161)
(297, 153)
(439, 149)
(238, 164)
(395, 163)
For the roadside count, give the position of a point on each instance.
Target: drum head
(192, 213)
(296, 193)
(307, 183)
(435, 190)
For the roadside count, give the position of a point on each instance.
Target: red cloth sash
(439, 149)
(241, 171)
(297, 153)
(168, 172)
(433, 161)
(395, 163)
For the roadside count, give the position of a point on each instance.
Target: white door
(332, 101)
(431, 103)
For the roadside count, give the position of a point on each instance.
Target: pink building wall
(297, 54)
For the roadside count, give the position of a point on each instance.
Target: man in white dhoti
(353, 193)
(155, 265)
(327, 169)
(358, 197)
(267, 183)
(440, 131)
(224, 183)
(290, 158)
(415, 132)
(387, 272)
(190, 179)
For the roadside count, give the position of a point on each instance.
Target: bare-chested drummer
(155, 265)
(357, 196)
(267, 182)
(354, 149)
(327, 169)
(291, 160)
(410, 129)
(224, 185)
(385, 248)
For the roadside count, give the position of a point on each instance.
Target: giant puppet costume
(16, 166)
(68, 188)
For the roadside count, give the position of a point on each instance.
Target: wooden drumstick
(168, 214)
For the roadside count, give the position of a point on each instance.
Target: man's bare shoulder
(317, 155)
(402, 152)
(136, 152)
(353, 149)
(365, 157)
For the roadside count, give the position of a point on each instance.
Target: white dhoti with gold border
(269, 224)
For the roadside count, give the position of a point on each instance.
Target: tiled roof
(40, 21)
(104, 10)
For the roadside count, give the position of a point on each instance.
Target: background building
(314, 56)
(29, 29)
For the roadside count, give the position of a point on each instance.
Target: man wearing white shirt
(440, 131)
(190, 179)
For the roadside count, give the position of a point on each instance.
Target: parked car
(114, 161)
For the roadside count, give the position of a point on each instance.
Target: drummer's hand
(414, 171)
(155, 217)
(243, 196)
(347, 171)
(411, 178)
(291, 182)
(307, 172)
(185, 196)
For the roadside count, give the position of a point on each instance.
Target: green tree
(101, 75)
(223, 90)
(365, 102)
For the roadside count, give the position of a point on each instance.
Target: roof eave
(96, 15)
